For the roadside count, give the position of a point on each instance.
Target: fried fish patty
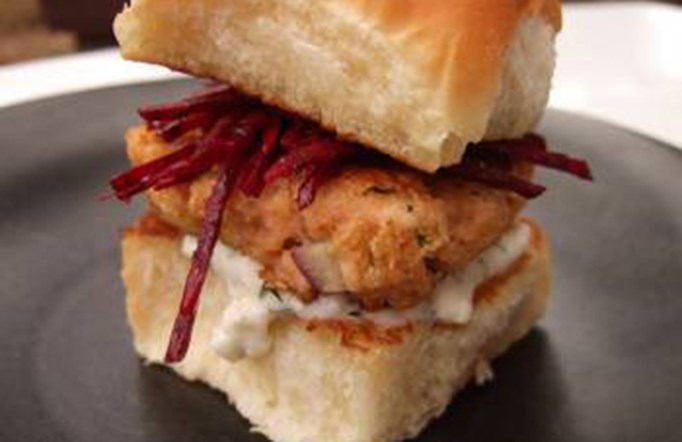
(392, 231)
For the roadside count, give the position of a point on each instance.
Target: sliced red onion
(317, 264)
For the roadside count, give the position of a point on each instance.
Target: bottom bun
(315, 385)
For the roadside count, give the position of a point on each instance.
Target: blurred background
(31, 29)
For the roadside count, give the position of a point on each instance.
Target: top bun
(415, 79)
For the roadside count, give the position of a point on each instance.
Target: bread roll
(416, 79)
(310, 386)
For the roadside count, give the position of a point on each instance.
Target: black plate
(605, 365)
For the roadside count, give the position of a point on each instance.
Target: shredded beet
(491, 163)
(210, 152)
(298, 134)
(532, 149)
(497, 178)
(252, 145)
(142, 177)
(251, 180)
(317, 152)
(221, 97)
(181, 334)
(172, 130)
(313, 179)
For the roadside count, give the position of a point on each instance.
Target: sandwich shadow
(525, 402)
(183, 411)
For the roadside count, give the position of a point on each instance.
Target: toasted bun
(416, 79)
(311, 387)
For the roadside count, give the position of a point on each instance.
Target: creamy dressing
(244, 327)
(453, 297)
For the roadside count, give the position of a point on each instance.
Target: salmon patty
(389, 232)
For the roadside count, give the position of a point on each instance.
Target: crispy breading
(394, 231)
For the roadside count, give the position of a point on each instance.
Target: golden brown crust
(365, 336)
(152, 225)
(393, 230)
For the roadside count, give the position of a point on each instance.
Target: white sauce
(243, 330)
(244, 327)
(453, 297)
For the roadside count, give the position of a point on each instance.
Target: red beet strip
(318, 152)
(205, 157)
(498, 179)
(530, 141)
(532, 149)
(181, 334)
(299, 133)
(313, 179)
(222, 140)
(221, 97)
(251, 180)
(140, 178)
(174, 129)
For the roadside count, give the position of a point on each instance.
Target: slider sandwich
(333, 237)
